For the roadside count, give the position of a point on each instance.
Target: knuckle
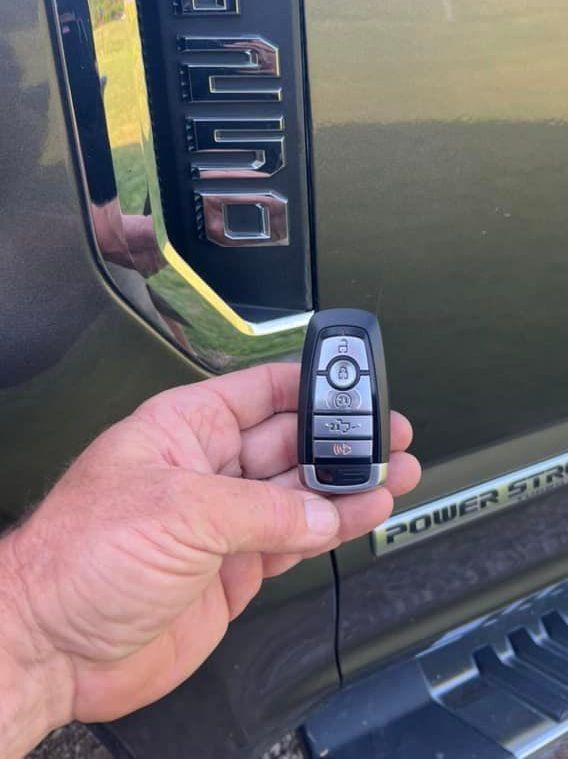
(276, 388)
(200, 522)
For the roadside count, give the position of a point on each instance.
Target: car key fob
(343, 413)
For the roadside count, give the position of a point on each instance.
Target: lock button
(343, 373)
(347, 347)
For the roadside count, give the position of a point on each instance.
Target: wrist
(35, 680)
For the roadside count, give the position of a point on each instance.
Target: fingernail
(321, 517)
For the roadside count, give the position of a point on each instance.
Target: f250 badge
(430, 519)
(241, 72)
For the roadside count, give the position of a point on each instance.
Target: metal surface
(169, 294)
(238, 67)
(255, 56)
(206, 6)
(391, 603)
(440, 145)
(235, 148)
(440, 151)
(409, 527)
(75, 358)
(273, 229)
(378, 475)
(276, 664)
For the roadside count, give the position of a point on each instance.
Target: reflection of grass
(237, 351)
(116, 66)
(131, 179)
(205, 329)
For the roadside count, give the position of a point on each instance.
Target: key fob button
(343, 415)
(343, 373)
(343, 347)
(348, 426)
(327, 398)
(343, 449)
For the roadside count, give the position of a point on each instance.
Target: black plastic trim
(498, 687)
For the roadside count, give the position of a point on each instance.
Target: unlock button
(343, 347)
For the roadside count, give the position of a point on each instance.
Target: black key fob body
(343, 413)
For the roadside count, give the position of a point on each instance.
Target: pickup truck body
(407, 157)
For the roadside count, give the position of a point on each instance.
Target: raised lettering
(492, 496)
(517, 488)
(229, 69)
(394, 531)
(555, 474)
(235, 149)
(200, 7)
(445, 514)
(233, 220)
(421, 524)
(469, 506)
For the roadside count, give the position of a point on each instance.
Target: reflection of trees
(106, 10)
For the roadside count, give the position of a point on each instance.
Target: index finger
(253, 395)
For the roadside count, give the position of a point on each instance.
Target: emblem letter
(394, 531)
(229, 69)
(185, 7)
(235, 149)
(244, 219)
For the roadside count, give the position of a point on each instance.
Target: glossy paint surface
(441, 165)
(433, 122)
(105, 72)
(74, 358)
(440, 139)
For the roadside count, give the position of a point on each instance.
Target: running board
(496, 688)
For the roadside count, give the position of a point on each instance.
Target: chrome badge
(417, 524)
(226, 86)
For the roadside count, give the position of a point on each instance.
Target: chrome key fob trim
(343, 412)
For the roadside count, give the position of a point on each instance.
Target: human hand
(127, 240)
(128, 574)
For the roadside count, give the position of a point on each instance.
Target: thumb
(229, 515)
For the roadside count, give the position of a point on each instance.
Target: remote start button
(358, 399)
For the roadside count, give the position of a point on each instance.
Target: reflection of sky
(405, 60)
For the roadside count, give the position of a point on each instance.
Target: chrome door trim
(206, 327)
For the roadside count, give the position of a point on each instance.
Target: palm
(165, 589)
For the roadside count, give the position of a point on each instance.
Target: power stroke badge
(430, 519)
